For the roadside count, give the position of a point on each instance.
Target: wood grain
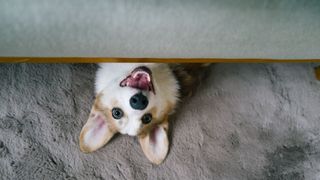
(158, 60)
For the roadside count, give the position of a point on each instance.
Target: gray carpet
(247, 121)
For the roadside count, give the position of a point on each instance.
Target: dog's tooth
(135, 75)
(148, 77)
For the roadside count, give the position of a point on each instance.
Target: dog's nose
(139, 101)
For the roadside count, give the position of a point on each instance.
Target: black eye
(146, 118)
(117, 113)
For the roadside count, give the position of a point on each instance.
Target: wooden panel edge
(157, 60)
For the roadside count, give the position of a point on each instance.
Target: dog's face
(133, 99)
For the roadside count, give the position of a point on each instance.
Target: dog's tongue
(140, 78)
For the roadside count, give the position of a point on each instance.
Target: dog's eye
(146, 118)
(117, 113)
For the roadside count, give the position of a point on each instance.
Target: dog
(136, 99)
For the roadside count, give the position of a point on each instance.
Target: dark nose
(139, 101)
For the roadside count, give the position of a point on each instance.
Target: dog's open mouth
(140, 78)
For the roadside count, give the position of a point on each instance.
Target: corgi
(136, 99)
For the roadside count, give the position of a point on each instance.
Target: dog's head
(134, 99)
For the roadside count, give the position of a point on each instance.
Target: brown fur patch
(107, 112)
(189, 76)
(148, 127)
(317, 72)
(156, 120)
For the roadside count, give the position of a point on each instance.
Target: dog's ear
(155, 144)
(96, 132)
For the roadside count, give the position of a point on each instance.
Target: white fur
(107, 84)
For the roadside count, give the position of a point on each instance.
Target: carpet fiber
(247, 121)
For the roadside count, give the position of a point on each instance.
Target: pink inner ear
(153, 135)
(100, 127)
(97, 132)
(100, 121)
